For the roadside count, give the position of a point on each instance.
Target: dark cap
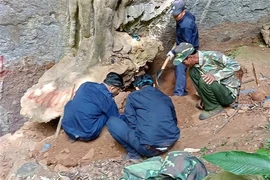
(114, 79)
(143, 80)
(178, 7)
(182, 51)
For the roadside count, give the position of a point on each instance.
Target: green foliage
(241, 163)
(235, 53)
(266, 149)
(204, 149)
(266, 177)
(267, 145)
(267, 126)
(224, 175)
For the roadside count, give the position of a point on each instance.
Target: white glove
(170, 55)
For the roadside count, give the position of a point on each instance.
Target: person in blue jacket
(148, 126)
(186, 31)
(87, 113)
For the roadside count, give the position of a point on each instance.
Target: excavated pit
(167, 78)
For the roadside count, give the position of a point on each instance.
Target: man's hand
(208, 78)
(170, 55)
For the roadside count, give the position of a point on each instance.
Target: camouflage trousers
(212, 95)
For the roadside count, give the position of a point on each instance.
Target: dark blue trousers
(71, 136)
(180, 84)
(126, 136)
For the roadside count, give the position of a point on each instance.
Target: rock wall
(32, 28)
(266, 33)
(221, 23)
(211, 13)
(43, 29)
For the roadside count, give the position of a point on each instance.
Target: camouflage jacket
(221, 66)
(177, 165)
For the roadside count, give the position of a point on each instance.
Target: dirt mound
(78, 153)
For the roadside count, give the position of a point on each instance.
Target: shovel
(49, 145)
(160, 71)
(61, 118)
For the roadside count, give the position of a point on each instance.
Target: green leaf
(224, 175)
(239, 162)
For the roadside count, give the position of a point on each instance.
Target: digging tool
(160, 71)
(255, 75)
(239, 74)
(49, 145)
(61, 118)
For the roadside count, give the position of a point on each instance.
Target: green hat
(182, 51)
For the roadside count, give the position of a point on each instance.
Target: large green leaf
(224, 175)
(239, 162)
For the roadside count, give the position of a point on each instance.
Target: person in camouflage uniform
(213, 76)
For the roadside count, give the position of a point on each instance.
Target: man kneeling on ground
(148, 126)
(213, 75)
(87, 113)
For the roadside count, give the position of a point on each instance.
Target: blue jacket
(151, 113)
(87, 113)
(187, 31)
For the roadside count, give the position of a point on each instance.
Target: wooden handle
(167, 59)
(255, 75)
(61, 118)
(165, 63)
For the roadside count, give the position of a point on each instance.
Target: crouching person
(148, 126)
(213, 75)
(87, 113)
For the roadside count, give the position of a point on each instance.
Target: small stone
(258, 95)
(191, 150)
(28, 169)
(266, 104)
(230, 112)
(43, 162)
(65, 151)
(30, 154)
(241, 111)
(46, 154)
(60, 167)
(244, 108)
(224, 114)
(89, 155)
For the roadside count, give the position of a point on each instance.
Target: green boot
(207, 114)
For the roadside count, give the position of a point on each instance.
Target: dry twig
(226, 122)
